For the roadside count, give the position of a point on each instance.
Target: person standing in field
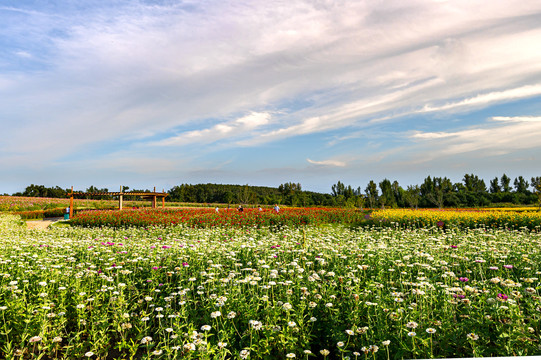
(276, 208)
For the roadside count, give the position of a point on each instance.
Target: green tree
(506, 181)
(521, 185)
(371, 191)
(495, 186)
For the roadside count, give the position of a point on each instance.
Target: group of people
(241, 209)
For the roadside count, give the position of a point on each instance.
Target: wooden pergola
(153, 196)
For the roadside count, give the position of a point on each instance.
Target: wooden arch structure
(153, 196)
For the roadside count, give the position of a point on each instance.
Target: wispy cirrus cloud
(235, 129)
(95, 76)
(504, 135)
(336, 163)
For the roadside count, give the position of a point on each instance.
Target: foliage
(462, 218)
(217, 293)
(203, 218)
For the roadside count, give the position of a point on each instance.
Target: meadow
(258, 292)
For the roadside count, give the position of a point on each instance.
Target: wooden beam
(71, 203)
(120, 199)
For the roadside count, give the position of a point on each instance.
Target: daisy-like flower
(340, 344)
(350, 332)
(290, 356)
(412, 333)
(146, 340)
(205, 327)
(57, 339)
(89, 354)
(231, 315)
(221, 345)
(412, 325)
(244, 354)
(291, 324)
(35, 339)
(157, 352)
(324, 352)
(472, 336)
(386, 343)
(189, 346)
(215, 314)
(431, 330)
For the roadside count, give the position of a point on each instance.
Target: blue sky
(159, 93)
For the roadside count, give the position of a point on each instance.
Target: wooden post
(163, 199)
(120, 199)
(71, 203)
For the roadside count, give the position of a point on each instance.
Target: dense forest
(433, 192)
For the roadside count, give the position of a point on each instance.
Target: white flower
(290, 356)
(350, 332)
(231, 315)
(292, 324)
(205, 327)
(35, 339)
(169, 330)
(89, 354)
(244, 354)
(340, 344)
(221, 345)
(287, 306)
(324, 352)
(431, 330)
(412, 325)
(412, 333)
(215, 314)
(157, 352)
(57, 339)
(386, 342)
(146, 340)
(189, 346)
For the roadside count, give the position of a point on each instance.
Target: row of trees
(441, 192)
(433, 192)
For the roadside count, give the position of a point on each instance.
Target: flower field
(180, 292)
(528, 218)
(204, 218)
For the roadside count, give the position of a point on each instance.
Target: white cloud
(102, 73)
(235, 129)
(336, 163)
(517, 118)
(513, 134)
(492, 97)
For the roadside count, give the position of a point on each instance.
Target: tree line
(433, 192)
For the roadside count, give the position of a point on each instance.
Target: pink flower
(508, 266)
(502, 296)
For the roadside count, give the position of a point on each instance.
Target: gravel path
(41, 224)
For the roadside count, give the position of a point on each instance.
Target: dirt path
(41, 224)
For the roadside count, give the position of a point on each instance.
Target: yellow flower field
(470, 218)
